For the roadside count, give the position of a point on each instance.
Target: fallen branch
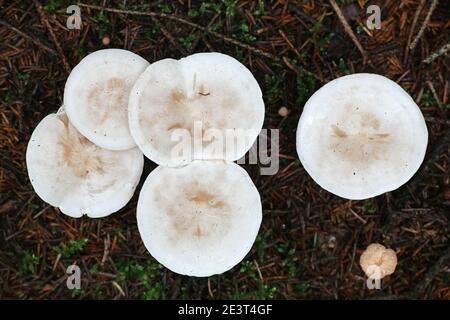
(424, 25)
(411, 31)
(45, 22)
(442, 51)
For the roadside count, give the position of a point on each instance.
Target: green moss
(148, 275)
(305, 87)
(66, 250)
(55, 5)
(257, 289)
(28, 263)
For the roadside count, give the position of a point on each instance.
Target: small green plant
(28, 263)
(54, 5)
(94, 269)
(9, 97)
(77, 293)
(148, 274)
(260, 9)
(343, 67)
(209, 6)
(81, 50)
(317, 25)
(103, 23)
(273, 84)
(367, 208)
(98, 293)
(164, 8)
(66, 250)
(324, 41)
(260, 291)
(23, 76)
(33, 206)
(289, 261)
(151, 31)
(230, 7)
(187, 41)
(216, 26)
(305, 87)
(193, 13)
(259, 244)
(244, 33)
(301, 287)
(427, 99)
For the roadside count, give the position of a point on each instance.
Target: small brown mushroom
(377, 261)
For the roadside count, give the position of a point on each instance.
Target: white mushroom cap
(377, 261)
(200, 219)
(70, 172)
(96, 96)
(210, 89)
(361, 135)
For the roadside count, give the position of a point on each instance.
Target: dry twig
(45, 22)
(348, 29)
(424, 25)
(442, 51)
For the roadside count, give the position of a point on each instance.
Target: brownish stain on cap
(108, 97)
(177, 96)
(193, 210)
(77, 152)
(205, 198)
(338, 132)
(363, 146)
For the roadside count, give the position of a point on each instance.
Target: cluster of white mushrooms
(198, 213)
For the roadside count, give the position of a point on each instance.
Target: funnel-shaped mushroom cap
(360, 136)
(96, 96)
(200, 219)
(70, 172)
(377, 261)
(206, 96)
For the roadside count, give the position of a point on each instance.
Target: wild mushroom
(361, 135)
(96, 96)
(211, 90)
(70, 172)
(377, 261)
(200, 219)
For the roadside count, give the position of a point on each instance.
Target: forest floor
(310, 241)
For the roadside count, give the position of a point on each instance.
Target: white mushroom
(70, 172)
(212, 91)
(200, 219)
(361, 135)
(96, 96)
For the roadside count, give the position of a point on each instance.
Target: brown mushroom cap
(378, 258)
